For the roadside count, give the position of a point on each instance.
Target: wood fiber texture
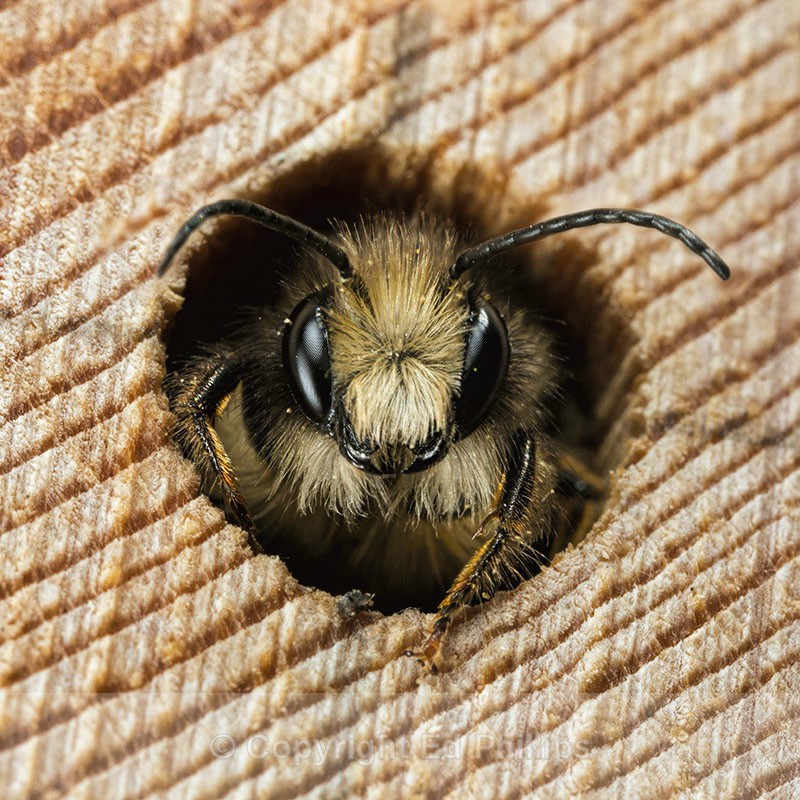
(144, 651)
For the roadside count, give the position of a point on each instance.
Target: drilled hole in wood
(236, 267)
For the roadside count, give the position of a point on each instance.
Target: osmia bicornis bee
(391, 411)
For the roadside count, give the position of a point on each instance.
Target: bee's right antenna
(583, 219)
(263, 216)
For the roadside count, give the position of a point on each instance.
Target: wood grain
(144, 651)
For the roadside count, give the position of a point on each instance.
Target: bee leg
(581, 490)
(576, 478)
(509, 541)
(198, 393)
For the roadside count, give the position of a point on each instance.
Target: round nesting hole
(244, 281)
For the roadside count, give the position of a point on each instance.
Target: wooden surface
(141, 641)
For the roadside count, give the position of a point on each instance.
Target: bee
(391, 412)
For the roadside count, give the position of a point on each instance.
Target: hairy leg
(198, 392)
(502, 553)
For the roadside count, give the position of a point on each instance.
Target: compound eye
(306, 358)
(485, 367)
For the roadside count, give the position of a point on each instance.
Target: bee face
(421, 417)
(400, 361)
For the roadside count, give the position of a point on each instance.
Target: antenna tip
(167, 259)
(717, 264)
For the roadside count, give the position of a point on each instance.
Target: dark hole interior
(235, 264)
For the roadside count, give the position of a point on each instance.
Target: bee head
(399, 359)
(397, 362)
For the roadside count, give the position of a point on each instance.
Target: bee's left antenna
(583, 219)
(263, 216)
